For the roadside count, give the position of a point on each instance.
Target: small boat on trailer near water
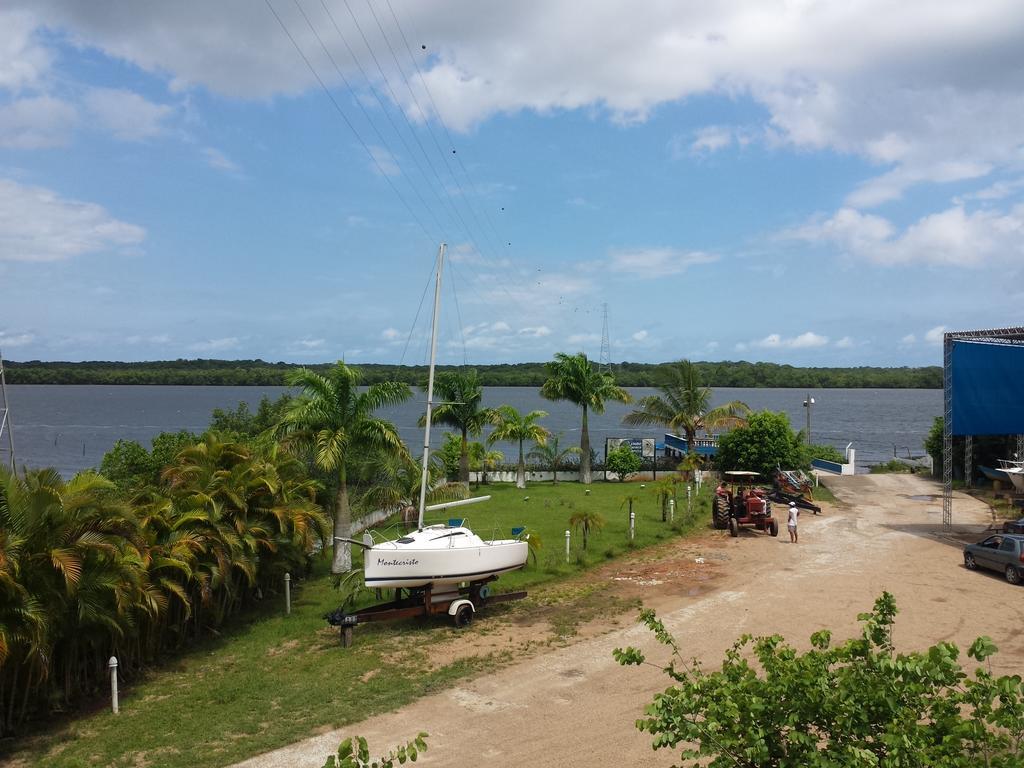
(444, 568)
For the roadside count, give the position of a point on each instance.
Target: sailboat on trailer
(439, 554)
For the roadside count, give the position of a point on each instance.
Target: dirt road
(575, 706)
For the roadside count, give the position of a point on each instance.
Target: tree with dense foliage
(461, 394)
(684, 405)
(575, 379)
(550, 454)
(766, 443)
(623, 462)
(242, 423)
(85, 574)
(514, 427)
(334, 423)
(856, 704)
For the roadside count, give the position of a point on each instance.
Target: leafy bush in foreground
(857, 704)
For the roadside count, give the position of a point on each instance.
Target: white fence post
(632, 524)
(567, 535)
(288, 594)
(689, 501)
(671, 510)
(113, 683)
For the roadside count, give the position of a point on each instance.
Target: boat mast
(430, 382)
(5, 414)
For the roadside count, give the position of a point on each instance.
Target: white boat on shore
(439, 556)
(1014, 469)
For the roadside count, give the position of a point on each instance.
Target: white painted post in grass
(632, 524)
(689, 501)
(288, 594)
(113, 683)
(671, 510)
(567, 535)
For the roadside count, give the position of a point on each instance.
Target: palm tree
(335, 422)
(586, 521)
(511, 425)
(550, 455)
(462, 394)
(573, 378)
(684, 405)
(395, 484)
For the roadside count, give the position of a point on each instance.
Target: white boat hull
(440, 555)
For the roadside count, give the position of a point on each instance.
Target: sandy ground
(574, 706)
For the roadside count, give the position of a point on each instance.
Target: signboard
(641, 446)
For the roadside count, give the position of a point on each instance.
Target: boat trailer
(460, 603)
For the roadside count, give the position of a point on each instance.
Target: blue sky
(810, 183)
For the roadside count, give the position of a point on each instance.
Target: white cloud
(23, 62)
(125, 114)
(845, 343)
(954, 236)
(928, 93)
(535, 332)
(32, 123)
(390, 334)
(639, 336)
(36, 224)
(935, 335)
(8, 339)
(583, 338)
(996, 191)
(216, 345)
(161, 338)
(501, 326)
(310, 343)
(656, 262)
(808, 340)
(580, 202)
(909, 339)
(219, 161)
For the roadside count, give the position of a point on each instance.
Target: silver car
(1003, 552)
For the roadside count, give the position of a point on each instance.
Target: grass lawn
(274, 680)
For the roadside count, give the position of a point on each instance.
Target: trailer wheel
(734, 527)
(463, 616)
(773, 527)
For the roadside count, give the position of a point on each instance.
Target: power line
(444, 125)
(351, 127)
(362, 109)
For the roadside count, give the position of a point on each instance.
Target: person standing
(794, 513)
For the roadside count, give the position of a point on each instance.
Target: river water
(70, 427)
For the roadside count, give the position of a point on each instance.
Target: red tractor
(739, 502)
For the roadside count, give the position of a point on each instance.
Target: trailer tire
(773, 527)
(463, 616)
(734, 527)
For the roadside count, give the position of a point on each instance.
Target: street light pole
(807, 404)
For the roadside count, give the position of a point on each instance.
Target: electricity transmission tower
(604, 360)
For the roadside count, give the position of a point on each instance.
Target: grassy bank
(276, 679)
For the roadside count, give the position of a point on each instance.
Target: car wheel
(969, 562)
(1012, 575)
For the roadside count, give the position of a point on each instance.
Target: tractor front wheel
(734, 528)
(773, 527)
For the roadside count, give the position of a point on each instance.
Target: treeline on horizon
(261, 373)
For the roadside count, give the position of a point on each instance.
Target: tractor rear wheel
(720, 514)
(773, 527)
(734, 527)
